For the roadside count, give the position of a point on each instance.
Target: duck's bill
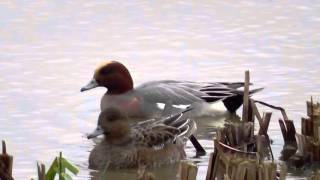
(97, 132)
(92, 84)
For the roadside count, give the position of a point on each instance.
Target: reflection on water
(48, 50)
(164, 172)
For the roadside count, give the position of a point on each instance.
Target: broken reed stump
(287, 127)
(232, 164)
(232, 159)
(264, 122)
(288, 130)
(41, 171)
(313, 111)
(239, 154)
(309, 139)
(236, 135)
(308, 142)
(247, 112)
(188, 170)
(6, 162)
(315, 175)
(247, 115)
(245, 109)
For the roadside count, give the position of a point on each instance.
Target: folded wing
(154, 132)
(185, 92)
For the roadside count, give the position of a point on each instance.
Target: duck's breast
(115, 157)
(134, 105)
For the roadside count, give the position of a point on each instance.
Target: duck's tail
(228, 93)
(234, 102)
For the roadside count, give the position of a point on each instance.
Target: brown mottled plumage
(150, 143)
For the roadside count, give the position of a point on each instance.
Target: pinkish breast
(130, 105)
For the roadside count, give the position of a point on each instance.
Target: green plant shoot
(59, 166)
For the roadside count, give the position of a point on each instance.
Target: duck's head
(112, 75)
(113, 123)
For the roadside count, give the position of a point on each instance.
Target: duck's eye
(111, 119)
(104, 72)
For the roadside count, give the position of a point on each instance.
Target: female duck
(142, 100)
(148, 143)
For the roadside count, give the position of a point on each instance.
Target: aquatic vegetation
(239, 153)
(58, 167)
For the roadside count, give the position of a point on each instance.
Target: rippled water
(48, 50)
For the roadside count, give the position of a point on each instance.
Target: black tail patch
(233, 103)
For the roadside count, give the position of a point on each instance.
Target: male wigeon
(143, 101)
(149, 143)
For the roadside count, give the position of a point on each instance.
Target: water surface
(48, 50)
